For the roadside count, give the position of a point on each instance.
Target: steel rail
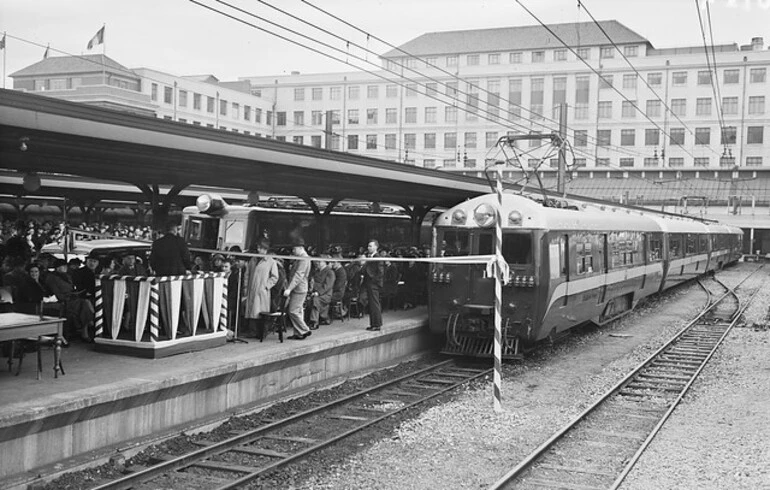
(540, 450)
(190, 458)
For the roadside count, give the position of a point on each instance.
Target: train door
(558, 256)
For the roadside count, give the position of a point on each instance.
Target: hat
(298, 242)
(58, 263)
(263, 243)
(217, 256)
(75, 261)
(92, 255)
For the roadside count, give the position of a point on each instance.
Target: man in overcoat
(259, 276)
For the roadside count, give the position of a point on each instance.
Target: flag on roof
(2, 42)
(97, 39)
(45, 55)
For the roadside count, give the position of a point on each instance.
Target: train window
(517, 248)
(235, 233)
(703, 241)
(584, 254)
(455, 243)
(654, 247)
(675, 246)
(692, 244)
(558, 256)
(202, 232)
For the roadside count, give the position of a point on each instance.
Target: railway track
(599, 447)
(248, 455)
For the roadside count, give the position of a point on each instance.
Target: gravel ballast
(716, 439)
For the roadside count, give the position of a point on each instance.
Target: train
(569, 263)
(214, 224)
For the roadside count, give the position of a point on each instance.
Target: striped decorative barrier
(153, 316)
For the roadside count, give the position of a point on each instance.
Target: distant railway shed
(42, 134)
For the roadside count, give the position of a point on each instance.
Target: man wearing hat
(85, 277)
(259, 277)
(296, 290)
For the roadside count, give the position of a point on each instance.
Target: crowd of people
(307, 291)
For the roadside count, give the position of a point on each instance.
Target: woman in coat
(259, 276)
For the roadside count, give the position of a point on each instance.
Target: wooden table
(14, 326)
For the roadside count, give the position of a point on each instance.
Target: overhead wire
(715, 77)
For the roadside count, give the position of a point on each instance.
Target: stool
(354, 309)
(337, 309)
(272, 322)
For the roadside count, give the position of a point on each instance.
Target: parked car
(104, 249)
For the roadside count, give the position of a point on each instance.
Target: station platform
(108, 401)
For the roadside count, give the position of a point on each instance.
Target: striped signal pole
(498, 349)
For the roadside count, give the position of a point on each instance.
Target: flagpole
(104, 53)
(5, 49)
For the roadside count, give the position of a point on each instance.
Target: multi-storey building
(448, 101)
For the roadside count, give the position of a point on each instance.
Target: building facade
(448, 104)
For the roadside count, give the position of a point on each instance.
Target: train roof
(578, 216)
(237, 210)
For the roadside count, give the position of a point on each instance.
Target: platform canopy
(43, 134)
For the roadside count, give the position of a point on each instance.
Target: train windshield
(517, 247)
(455, 243)
(201, 232)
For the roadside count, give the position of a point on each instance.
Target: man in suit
(296, 290)
(374, 276)
(169, 255)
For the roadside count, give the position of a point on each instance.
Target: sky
(182, 38)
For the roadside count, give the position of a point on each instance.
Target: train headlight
(484, 215)
(209, 203)
(459, 217)
(514, 218)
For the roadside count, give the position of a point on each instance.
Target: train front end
(462, 287)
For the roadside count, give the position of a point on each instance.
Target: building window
(757, 75)
(391, 115)
(729, 106)
(701, 162)
(336, 117)
(269, 118)
(371, 141)
(353, 116)
(390, 141)
(584, 53)
(168, 95)
(450, 114)
(628, 109)
(631, 51)
(629, 81)
(602, 162)
(626, 162)
(236, 110)
(430, 141)
(451, 60)
(605, 82)
(679, 78)
(196, 101)
(372, 91)
(153, 90)
(605, 109)
(430, 115)
(628, 137)
(538, 56)
(731, 76)
(655, 79)
(299, 140)
(514, 98)
(581, 137)
(352, 142)
(470, 140)
(560, 55)
(335, 93)
(183, 98)
(651, 137)
(582, 94)
(679, 107)
(391, 91)
(451, 89)
(606, 52)
(316, 118)
(280, 118)
(578, 163)
(317, 93)
(753, 161)
(430, 62)
(354, 92)
(729, 135)
(429, 163)
(493, 59)
(257, 115)
(603, 137)
(676, 136)
(315, 141)
(410, 115)
(469, 162)
(491, 138)
(431, 89)
(536, 97)
(411, 90)
(702, 136)
(222, 107)
(247, 113)
(514, 58)
(472, 59)
(210, 105)
(755, 135)
(704, 77)
(653, 108)
(410, 141)
(450, 141)
(299, 118)
(650, 162)
(371, 116)
(703, 106)
(757, 104)
(676, 162)
(299, 94)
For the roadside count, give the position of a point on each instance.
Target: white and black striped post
(498, 349)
